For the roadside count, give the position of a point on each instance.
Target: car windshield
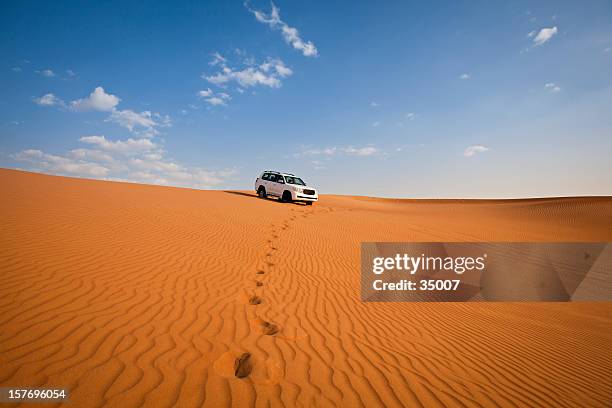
(294, 180)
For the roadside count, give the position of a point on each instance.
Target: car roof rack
(278, 172)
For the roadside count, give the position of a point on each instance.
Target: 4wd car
(285, 186)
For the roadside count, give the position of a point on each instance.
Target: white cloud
(411, 116)
(167, 172)
(162, 120)
(49, 100)
(290, 34)
(317, 165)
(219, 100)
(46, 73)
(465, 76)
(128, 146)
(277, 66)
(362, 151)
(607, 49)
(16, 69)
(91, 154)
(544, 35)
(269, 73)
(206, 93)
(217, 59)
(213, 99)
(143, 123)
(552, 87)
(473, 150)
(53, 164)
(328, 151)
(340, 150)
(374, 104)
(129, 160)
(98, 100)
(375, 124)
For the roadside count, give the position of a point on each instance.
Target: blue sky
(413, 99)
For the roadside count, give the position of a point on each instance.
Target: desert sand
(135, 295)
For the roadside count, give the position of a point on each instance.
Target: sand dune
(133, 295)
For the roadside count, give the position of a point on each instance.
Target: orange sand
(134, 295)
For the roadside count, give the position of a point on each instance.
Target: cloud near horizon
(340, 150)
(474, 150)
(130, 160)
(290, 34)
(552, 87)
(122, 146)
(59, 165)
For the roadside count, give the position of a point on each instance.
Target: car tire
(286, 197)
(261, 193)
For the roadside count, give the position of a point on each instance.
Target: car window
(272, 177)
(280, 179)
(265, 176)
(295, 180)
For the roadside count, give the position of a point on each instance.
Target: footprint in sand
(260, 272)
(240, 364)
(264, 327)
(243, 365)
(269, 329)
(258, 283)
(255, 300)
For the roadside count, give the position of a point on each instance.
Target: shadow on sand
(253, 195)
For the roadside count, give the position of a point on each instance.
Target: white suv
(285, 186)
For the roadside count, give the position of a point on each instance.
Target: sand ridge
(134, 295)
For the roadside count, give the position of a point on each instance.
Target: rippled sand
(134, 295)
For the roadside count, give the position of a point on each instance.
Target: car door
(263, 181)
(271, 185)
(279, 185)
